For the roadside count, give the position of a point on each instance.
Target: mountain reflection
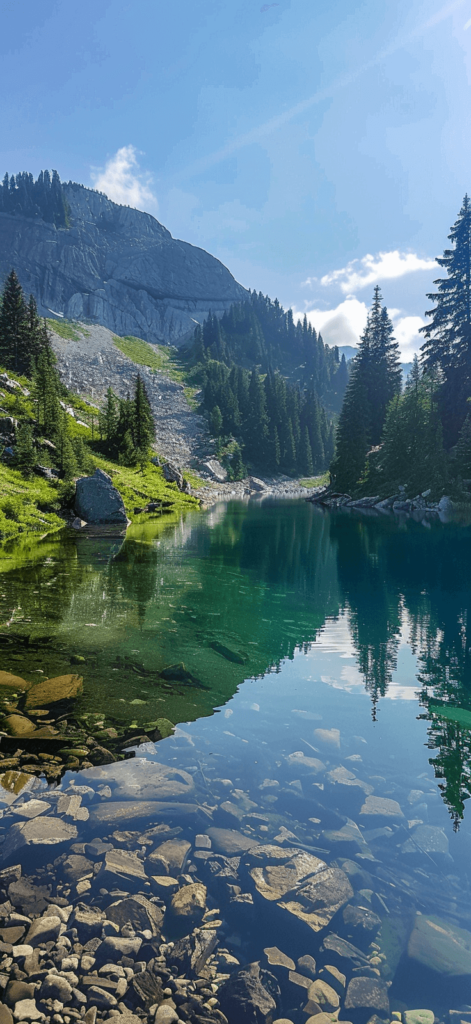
(237, 591)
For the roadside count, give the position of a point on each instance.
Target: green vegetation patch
(67, 329)
(26, 504)
(138, 487)
(315, 481)
(158, 357)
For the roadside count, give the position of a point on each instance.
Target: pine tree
(12, 325)
(305, 458)
(108, 417)
(375, 379)
(65, 450)
(215, 421)
(447, 347)
(25, 452)
(143, 431)
(46, 389)
(238, 470)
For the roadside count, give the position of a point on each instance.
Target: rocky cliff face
(115, 266)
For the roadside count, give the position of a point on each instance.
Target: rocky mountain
(107, 264)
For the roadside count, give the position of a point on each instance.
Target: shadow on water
(232, 594)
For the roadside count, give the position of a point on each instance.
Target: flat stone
(101, 998)
(43, 930)
(52, 690)
(32, 808)
(275, 880)
(320, 898)
(121, 867)
(367, 994)
(169, 857)
(21, 951)
(307, 765)
(147, 780)
(323, 994)
(41, 831)
(327, 738)
(163, 884)
(418, 1016)
(120, 812)
(18, 725)
(6, 1016)
(381, 807)
(307, 965)
(137, 911)
(440, 946)
(229, 842)
(361, 925)
(426, 839)
(278, 959)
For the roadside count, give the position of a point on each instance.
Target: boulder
(256, 485)
(317, 900)
(137, 911)
(185, 910)
(98, 501)
(215, 470)
(56, 987)
(169, 857)
(121, 868)
(249, 996)
(15, 682)
(440, 946)
(366, 996)
(190, 953)
(173, 475)
(43, 929)
(229, 842)
(88, 921)
(273, 881)
(52, 690)
(114, 947)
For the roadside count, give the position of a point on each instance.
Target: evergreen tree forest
(269, 423)
(259, 332)
(417, 438)
(43, 198)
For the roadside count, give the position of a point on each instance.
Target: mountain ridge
(113, 265)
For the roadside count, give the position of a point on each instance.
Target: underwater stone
(52, 690)
(440, 946)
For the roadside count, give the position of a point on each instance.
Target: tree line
(418, 437)
(275, 425)
(126, 426)
(43, 198)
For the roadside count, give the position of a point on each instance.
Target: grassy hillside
(34, 504)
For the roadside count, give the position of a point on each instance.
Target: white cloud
(406, 331)
(123, 181)
(359, 274)
(341, 325)
(344, 324)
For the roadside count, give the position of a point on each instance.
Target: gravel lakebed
(295, 886)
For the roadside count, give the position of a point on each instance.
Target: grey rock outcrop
(97, 501)
(115, 266)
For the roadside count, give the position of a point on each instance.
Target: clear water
(293, 620)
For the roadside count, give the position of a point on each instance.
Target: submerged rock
(186, 909)
(247, 996)
(52, 690)
(440, 946)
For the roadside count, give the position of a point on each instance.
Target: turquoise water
(340, 636)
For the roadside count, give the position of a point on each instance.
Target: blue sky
(317, 147)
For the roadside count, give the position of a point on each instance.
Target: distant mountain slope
(87, 258)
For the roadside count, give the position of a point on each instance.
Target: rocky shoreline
(420, 506)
